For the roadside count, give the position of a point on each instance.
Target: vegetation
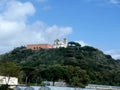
(75, 65)
(8, 70)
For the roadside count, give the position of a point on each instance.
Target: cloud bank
(114, 1)
(105, 1)
(16, 30)
(82, 43)
(114, 53)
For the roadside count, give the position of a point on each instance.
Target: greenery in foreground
(76, 65)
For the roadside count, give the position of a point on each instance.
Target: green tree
(8, 70)
(54, 73)
(78, 77)
(27, 73)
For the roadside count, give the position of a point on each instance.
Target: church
(58, 43)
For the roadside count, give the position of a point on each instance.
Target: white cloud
(47, 7)
(114, 53)
(82, 43)
(17, 11)
(104, 1)
(41, 0)
(115, 1)
(16, 31)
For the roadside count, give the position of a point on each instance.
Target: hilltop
(75, 65)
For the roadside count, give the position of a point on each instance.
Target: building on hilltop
(58, 43)
(39, 46)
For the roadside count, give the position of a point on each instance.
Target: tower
(65, 42)
(58, 43)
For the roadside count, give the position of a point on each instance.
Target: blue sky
(91, 22)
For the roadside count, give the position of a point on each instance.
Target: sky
(90, 22)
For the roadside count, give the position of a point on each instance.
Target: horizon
(90, 22)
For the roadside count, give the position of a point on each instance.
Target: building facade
(39, 46)
(102, 87)
(58, 43)
(5, 80)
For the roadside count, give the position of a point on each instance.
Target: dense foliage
(75, 65)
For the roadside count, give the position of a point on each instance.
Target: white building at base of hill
(10, 81)
(50, 83)
(102, 87)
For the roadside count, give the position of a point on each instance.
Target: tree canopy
(75, 65)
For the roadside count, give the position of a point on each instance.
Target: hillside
(75, 65)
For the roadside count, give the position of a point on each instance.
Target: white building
(9, 81)
(102, 87)
(58, 43)
(50, 83)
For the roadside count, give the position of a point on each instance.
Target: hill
(75, 65)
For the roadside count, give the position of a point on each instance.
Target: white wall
(12, 81)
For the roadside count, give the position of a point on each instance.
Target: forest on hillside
(75, 65)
